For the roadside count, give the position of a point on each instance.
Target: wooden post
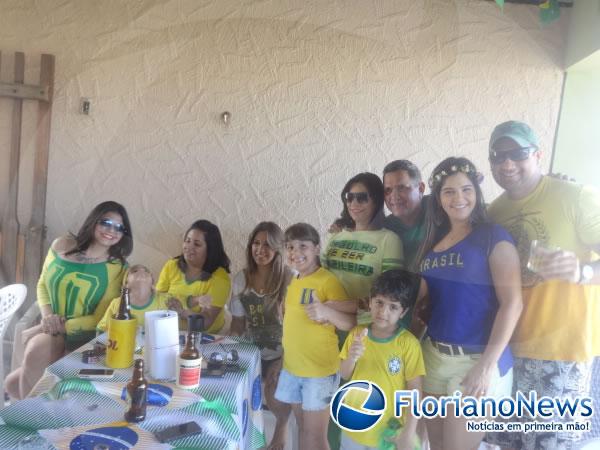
(36, 230)
(21, 249)
(10, 223)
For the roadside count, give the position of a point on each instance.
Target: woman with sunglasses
(472, 288)
(359, 250)
(82, 273)
(362, 250)
(198, 279)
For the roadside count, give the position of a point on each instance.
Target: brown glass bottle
(188, 364)
(124, 312)
(137, 391)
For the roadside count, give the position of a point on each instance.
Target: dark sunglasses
(111, 225)
(360, 197)
(516, 154)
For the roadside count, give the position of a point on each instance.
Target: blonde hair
(138, 266)
(280, 274)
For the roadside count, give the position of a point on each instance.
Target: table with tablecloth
(71, 412)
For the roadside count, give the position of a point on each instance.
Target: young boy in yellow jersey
(310, 346)
(142, 297)
(386, 354)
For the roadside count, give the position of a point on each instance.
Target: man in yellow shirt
(556, 338)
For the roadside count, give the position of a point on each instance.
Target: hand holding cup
(553, 263)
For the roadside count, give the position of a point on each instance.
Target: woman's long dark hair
(85, 236)
(437, 224)
(375, 189)
(280, 273)
(215, 252)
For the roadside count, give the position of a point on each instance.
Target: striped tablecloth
(67, 410)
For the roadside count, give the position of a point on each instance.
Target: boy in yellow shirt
(386, 354)
(142, 297)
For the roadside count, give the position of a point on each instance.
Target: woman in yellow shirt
(198, 279)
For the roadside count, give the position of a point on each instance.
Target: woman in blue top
(471, 288)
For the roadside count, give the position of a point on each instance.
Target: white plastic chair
(11, 299)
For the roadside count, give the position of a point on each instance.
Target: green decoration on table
(257, 439)
(549, 11)
(70, 384)
(217, 406)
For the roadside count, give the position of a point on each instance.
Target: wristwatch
(586, 273)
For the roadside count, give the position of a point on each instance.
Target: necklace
(260, 289)
(83, 258)
(259, 286)
(258, 281)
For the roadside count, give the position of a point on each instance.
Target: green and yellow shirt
(79, 292)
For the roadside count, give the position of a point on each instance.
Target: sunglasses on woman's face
(516, 154)
(360, 197)
(108, 224)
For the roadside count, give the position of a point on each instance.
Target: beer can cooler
(121, 343)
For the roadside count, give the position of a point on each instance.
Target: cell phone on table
(96, 373)
(178, 431)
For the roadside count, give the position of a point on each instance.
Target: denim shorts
(313, 393)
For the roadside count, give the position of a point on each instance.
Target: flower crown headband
(437, 178)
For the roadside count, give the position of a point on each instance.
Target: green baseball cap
(519, 132)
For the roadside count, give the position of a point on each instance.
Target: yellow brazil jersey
(310, 349)
(156, 302)
(389, 363)
(558, 319)
(79, 292)
(218, 286)
(357, 258)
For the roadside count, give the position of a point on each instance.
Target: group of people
(435, 297)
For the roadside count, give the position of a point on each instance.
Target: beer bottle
(124, 311)
(189, 363)
(137, 390)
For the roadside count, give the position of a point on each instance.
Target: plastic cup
(537, 252)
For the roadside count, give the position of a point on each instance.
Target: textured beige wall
(318, 91)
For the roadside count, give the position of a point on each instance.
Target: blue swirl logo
(357, 405)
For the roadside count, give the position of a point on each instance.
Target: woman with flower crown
(471, 288)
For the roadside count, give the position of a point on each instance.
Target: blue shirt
(461, 291)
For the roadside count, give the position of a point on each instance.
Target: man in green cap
(557, 336)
